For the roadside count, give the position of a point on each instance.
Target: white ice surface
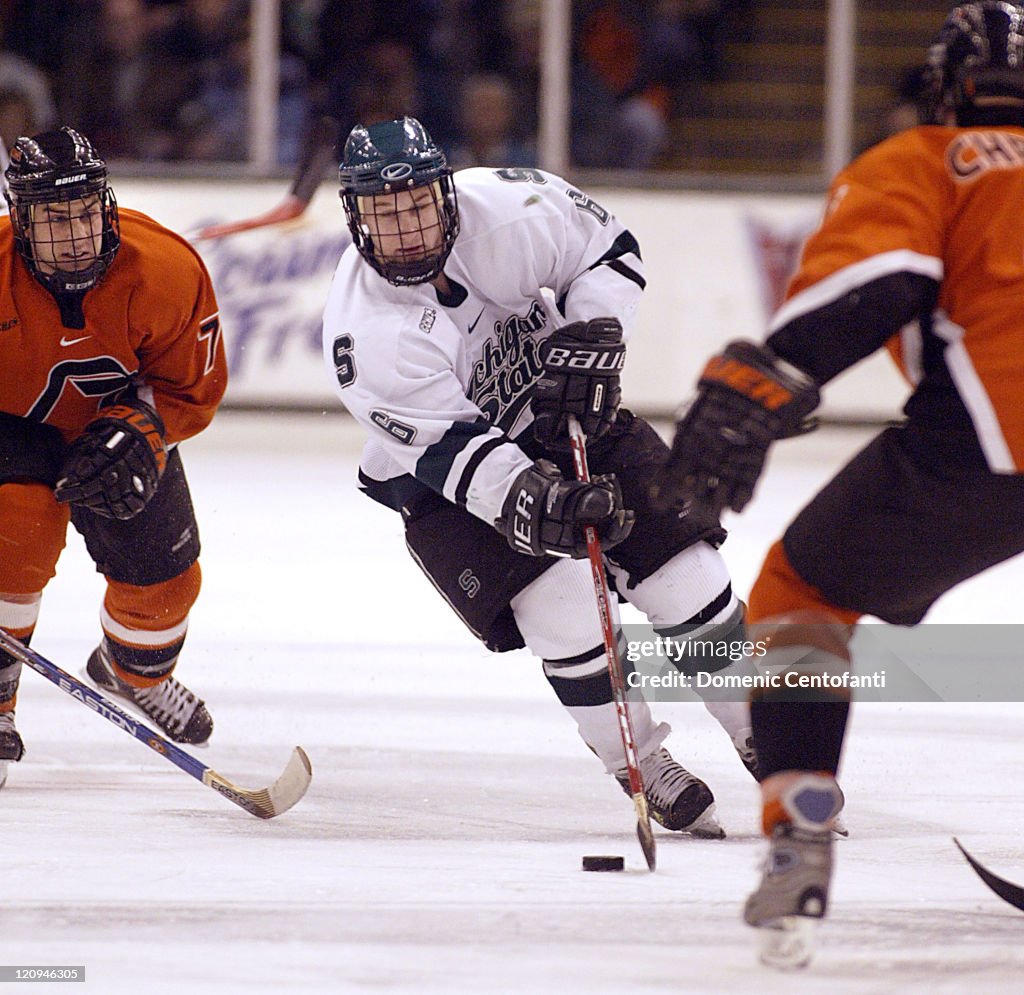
(439, 847)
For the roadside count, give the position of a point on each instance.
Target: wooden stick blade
(265, 803)
(290, 788)
(644, 832)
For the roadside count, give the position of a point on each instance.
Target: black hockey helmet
(976, 65)
(388, 159)
(62, 169)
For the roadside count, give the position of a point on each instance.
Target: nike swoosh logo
(475, 323)
(65, 341)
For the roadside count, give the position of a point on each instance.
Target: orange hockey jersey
(944, 203)
(151, 321)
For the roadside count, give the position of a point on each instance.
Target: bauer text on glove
(582, 363)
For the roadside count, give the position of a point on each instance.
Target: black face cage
(404, 273)
(92, 265)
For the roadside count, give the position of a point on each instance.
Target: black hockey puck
(603, 863)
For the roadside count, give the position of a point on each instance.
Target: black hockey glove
(544, 514)
(582, 362)
(746, 399)
(114, 466)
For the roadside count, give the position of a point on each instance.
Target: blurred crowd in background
(166, 80)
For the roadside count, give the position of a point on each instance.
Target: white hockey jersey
(442, 386)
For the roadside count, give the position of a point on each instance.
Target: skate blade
(706, 826)
(3, 772)
(839, 830)
(787, 944)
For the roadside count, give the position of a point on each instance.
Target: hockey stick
(605, 610)
(320, 152)
(1006, 890)
(289, 208)
(265, 803)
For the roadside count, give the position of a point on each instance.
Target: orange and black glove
(746, 399)
(114, 466)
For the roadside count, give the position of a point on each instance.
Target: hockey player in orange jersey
(110, 355)
(921, 249)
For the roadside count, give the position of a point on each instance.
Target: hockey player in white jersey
(471, 316)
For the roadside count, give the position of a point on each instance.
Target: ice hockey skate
(12, 748)
(793, 892)
(676, 799)
(179, 714)
(795, 878)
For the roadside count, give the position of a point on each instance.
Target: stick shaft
(609, 626)
(264, 803)
(319, 154)
(99, 704)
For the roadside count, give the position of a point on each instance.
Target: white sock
(599, 727)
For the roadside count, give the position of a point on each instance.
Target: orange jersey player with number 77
(110, 355)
